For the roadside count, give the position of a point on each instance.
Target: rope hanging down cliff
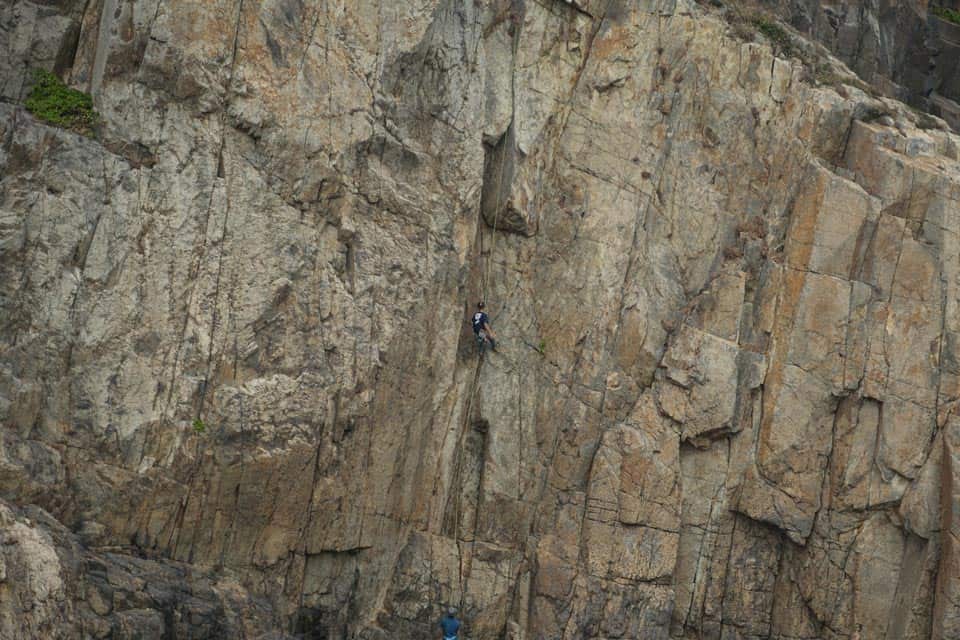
(496, 218)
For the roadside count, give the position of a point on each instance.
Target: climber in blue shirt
(450, 625)
(482, 329)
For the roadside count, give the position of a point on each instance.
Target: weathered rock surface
(902, 48)
(52, 587)
(240, 397)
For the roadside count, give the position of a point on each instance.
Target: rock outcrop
(904, 49)
(241, 399)
(53, 587)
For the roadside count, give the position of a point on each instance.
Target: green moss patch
(950, 15)
(54, 102)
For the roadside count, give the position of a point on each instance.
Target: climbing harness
(483, 340)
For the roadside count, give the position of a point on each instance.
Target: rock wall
(51, 586)
(235, 344)
(902, 48)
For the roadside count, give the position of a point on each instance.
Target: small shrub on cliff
(746, 23)
(54, 102)
(199, 426)
(924, 120)
(776, 34)
(822, 73)
(950, 15)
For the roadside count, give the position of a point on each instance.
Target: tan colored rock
(830, 226)
(946, 616)
(631, 522)
(234, 337)
(706, 376)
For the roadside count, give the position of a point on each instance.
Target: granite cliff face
(901, 47)
(240, 397)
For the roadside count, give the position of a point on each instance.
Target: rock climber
(450, 625)
(482, 330)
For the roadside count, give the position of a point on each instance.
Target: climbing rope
(499, 201)
(467, 562)
(496, 216)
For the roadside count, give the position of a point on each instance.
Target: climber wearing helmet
(482, 330)
(450, 625)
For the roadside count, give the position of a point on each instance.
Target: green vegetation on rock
(950, 15)
(774, 33)
(746, 23)
(54, 102)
